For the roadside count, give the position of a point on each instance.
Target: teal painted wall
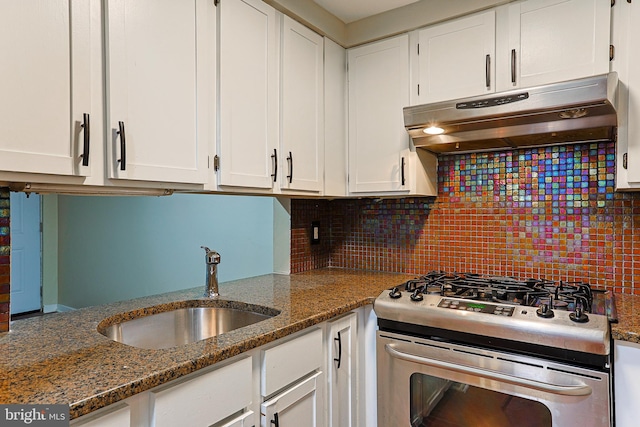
(117, 248)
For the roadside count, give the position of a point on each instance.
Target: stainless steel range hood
(572, 111)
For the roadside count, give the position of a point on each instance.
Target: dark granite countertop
(628, 326)
(61, 358)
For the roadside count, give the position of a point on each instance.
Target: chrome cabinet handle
(513, 65)
(564, 390)
(86, 125)
(339, 359)
(402, 180)
(290, 163)
(274, 156)
(487, 71)
(123, 147)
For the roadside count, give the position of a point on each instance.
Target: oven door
(423, 382)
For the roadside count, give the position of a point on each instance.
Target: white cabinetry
(302, 104)
(553, 40)
(156, 79)
(292, 370)
(381, 161)
(457, 58)
(625, 33)
(627, 389)
(206, 399)
(45, 86)
(341, 371)
(118, 416)
(248, 94)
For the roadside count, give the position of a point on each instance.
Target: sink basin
(164, 327)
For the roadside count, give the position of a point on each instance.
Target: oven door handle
(565, 390)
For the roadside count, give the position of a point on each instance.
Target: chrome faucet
(212, 259)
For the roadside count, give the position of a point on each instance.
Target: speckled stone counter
(628, 326)
(61, 358)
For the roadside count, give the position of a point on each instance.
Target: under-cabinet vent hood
(572, 111)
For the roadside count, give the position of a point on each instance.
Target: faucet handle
(212, 257)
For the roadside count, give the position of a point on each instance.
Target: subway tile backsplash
(543, 212)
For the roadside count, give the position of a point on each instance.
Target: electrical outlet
(315, 232)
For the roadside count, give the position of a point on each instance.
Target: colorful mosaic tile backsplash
(544, 212)
(5, 252)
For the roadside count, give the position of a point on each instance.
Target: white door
(302, 133)
(457, 58)
(342, 372)
(248, 88)
(44, 85)
(378, 90)
(557, 40)
(156, 63)
(26, 277)
(297, 406)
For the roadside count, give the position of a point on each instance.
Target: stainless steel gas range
(470, 350)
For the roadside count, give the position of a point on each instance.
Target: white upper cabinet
(553, 40)
(248, 94)
(45, 86)
(302, 108)
(457, 58)
(156, 66)
(378, 90)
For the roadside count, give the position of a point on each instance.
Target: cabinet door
(456, 58)
(156, 51)
(378, 90)
(342, 372)
(244, 420)
(298, 406)
(44, 85)
(627, 388)
(302, 103)
(556, 40)
(248, 90)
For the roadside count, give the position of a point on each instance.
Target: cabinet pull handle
(86, 125)
(123, 147)
(290, 163)
(487, 71)
(339, 359)
(275, 421)
(513, 65)
(274, 156)
(402, 180)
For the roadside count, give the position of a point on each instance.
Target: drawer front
(290, 361)
(205, 399)
(119, 416)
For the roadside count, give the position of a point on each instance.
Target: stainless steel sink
(182, 325)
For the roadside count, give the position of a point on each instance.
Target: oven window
(441, 403)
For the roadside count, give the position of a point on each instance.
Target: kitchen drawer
(205, 399)
(118, 416)
(290, 361)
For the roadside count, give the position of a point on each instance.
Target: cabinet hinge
(216, 163)
(612, 52)
(624, 160)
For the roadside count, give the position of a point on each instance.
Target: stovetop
(558, 314)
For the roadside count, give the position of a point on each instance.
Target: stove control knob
(544, 311)
(579, 315)
(417, 295)
(395, 293)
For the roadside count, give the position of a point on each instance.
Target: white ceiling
(352, 10)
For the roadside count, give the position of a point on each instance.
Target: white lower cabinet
(204, 400)
(118, 416)
(245, 420)
(341, 371)
(298, 406)
(626, 372)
